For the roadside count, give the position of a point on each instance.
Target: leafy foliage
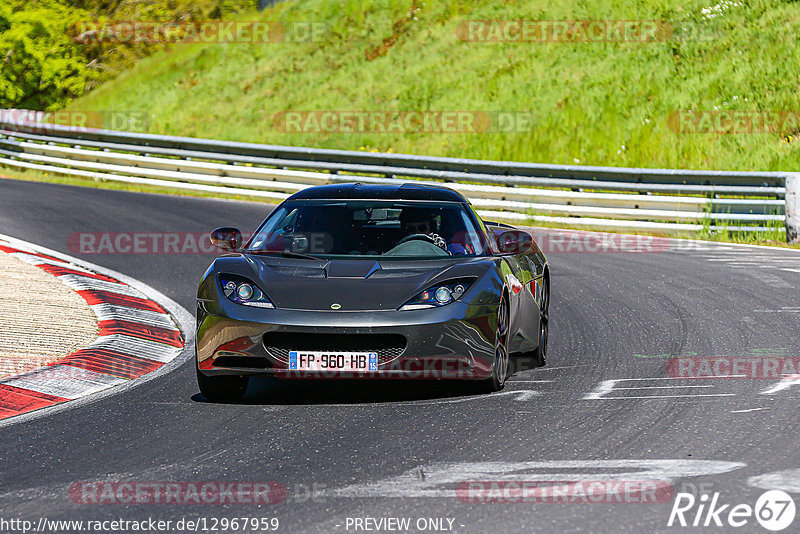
(42, 66)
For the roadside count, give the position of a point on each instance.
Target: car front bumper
(451, 342)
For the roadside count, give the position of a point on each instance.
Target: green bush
(44, 67)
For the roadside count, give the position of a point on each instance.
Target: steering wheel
(417, 237)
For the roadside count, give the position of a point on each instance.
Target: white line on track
(522, 396)
(788, 480)
(529, 381)
(782, 384)
(664, 387)
(442, 479)
(669, 396)
(607, 387)
(541, 369)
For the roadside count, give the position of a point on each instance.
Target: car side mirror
(227, 239)
(514, 242)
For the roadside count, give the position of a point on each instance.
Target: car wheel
(500, 369)
(222, 388)
(544, 319)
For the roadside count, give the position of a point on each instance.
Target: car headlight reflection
(443, 295)
(242, 291)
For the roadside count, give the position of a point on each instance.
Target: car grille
(299, 271)
(397, 273)
(388, 346)
(242, 362)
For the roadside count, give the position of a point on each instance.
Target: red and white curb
(139, 336)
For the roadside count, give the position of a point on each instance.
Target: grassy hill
(588, 102)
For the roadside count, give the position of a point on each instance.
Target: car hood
(354, 284)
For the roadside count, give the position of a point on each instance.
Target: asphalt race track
(383, 450)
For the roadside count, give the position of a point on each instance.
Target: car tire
(501, 366)
(228, 388)
(544, 325)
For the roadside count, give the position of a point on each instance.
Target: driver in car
(415, 221)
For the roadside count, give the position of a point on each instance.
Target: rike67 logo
(774, 510)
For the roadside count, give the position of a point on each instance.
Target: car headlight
(243, 291)
(438, 295)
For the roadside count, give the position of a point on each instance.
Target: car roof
(359, 191)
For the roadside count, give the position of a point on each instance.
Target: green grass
(593, 103)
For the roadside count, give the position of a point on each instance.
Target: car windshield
(371, 228)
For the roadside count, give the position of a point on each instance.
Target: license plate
(333, 361)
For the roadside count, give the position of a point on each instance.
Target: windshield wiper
(286, 254)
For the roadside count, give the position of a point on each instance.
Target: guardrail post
(793, 207)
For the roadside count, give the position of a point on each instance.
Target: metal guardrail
(605, 197)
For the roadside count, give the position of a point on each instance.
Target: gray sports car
(371, 281)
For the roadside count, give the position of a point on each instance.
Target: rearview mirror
(227, 239)
(371, 214)
(514, 242)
